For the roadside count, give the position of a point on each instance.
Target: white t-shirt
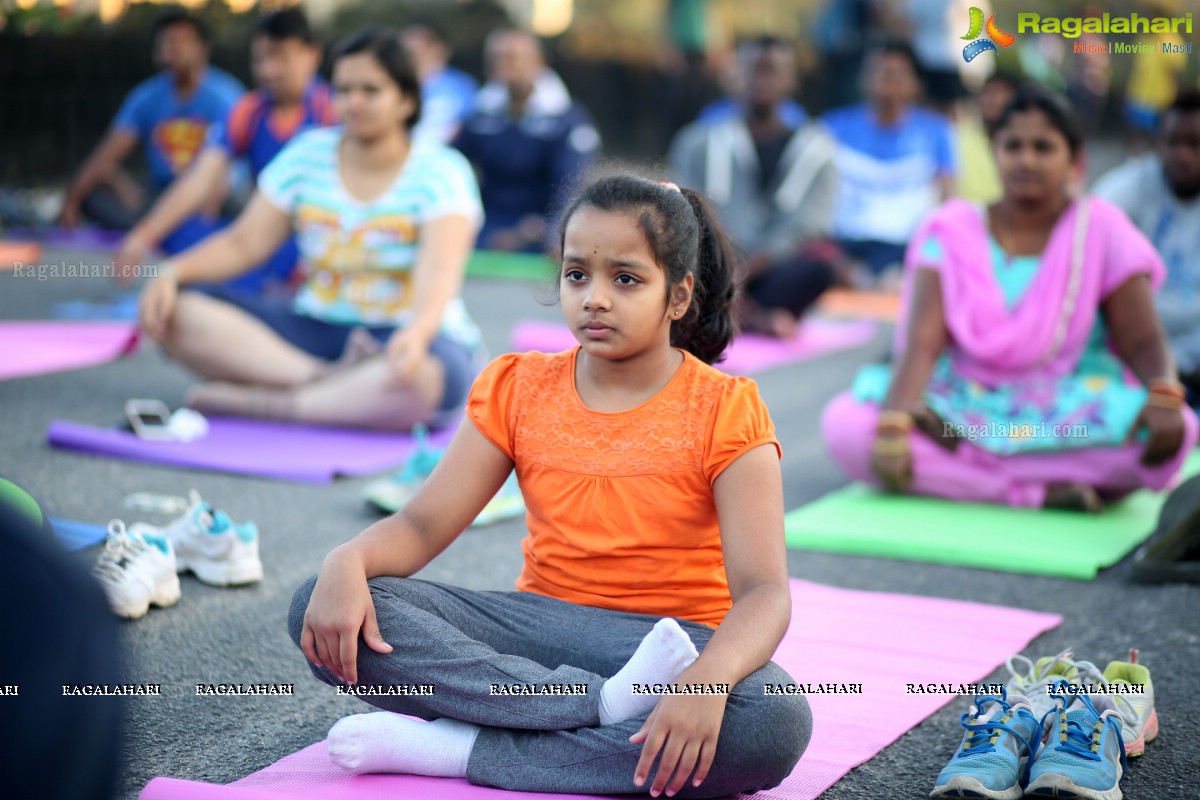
(358, 256)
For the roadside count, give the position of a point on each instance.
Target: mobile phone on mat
(149, 419)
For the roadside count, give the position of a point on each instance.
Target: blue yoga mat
(122, 306)
(77, 535)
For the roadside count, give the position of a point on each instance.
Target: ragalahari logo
(995, 36)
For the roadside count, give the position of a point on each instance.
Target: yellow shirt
(1152, 79)
(978, 178)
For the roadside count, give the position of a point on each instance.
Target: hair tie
(673, 187)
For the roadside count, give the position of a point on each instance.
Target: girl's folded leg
(762, 737)
(509, 659)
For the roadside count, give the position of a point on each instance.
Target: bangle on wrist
(1174, 397)
(894, 420)
(890, 447)
(1169, 402)
(1166, 395)
(1165, 384)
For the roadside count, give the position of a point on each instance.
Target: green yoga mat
(859, 520)
(510, 266)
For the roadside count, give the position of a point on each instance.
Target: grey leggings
(463, 641)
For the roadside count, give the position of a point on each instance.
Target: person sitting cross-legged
(1019, 324)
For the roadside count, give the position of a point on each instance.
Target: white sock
(661, 658)
(387, 742)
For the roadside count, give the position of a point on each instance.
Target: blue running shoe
(1084, 756)
(393, 493)
(1001, 739)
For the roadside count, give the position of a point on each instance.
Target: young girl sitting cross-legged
(634, 655)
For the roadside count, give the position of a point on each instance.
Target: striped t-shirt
(358, 256)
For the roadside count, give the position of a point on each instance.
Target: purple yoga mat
(69, 239)
(36, 348)
(749, 352)
(842, 636)
(308, 453)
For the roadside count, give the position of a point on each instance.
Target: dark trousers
(462, 641)
(792, 285)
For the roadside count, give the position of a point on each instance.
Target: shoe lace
(1124, 708)
(119, 551)
(1074, 738)
(1031, 675)
(983, 735)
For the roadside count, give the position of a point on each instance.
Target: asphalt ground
(238, 635)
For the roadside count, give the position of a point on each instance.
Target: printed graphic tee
(173, 129)
(359, 256)
(887, 174)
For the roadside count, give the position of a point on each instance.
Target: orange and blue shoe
(1128, 685)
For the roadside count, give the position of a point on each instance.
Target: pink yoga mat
(749, 352)
(882, 641)
(307, 453)
(36, 348)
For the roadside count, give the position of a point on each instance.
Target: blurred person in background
(378, 335)
(170, 114)
(995, 94)
(974, 118)
(1153, 81)
(772, 180)
(527, 139)
(447, 94)
(842, 31)
(734, 77)
(934, 27)
(1021, 325)
(895, 163)
(291, 98)
(1160, 192)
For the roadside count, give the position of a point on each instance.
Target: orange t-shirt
(620, 506)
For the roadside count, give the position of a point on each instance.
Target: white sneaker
(136, 570)
(1033, 680)
(1132, 692)
(211, 546)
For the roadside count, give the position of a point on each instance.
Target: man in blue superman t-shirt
(290, 98)
(170, 115)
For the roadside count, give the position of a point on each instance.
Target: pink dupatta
(1092, 250)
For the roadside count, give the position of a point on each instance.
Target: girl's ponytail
(708, 327)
